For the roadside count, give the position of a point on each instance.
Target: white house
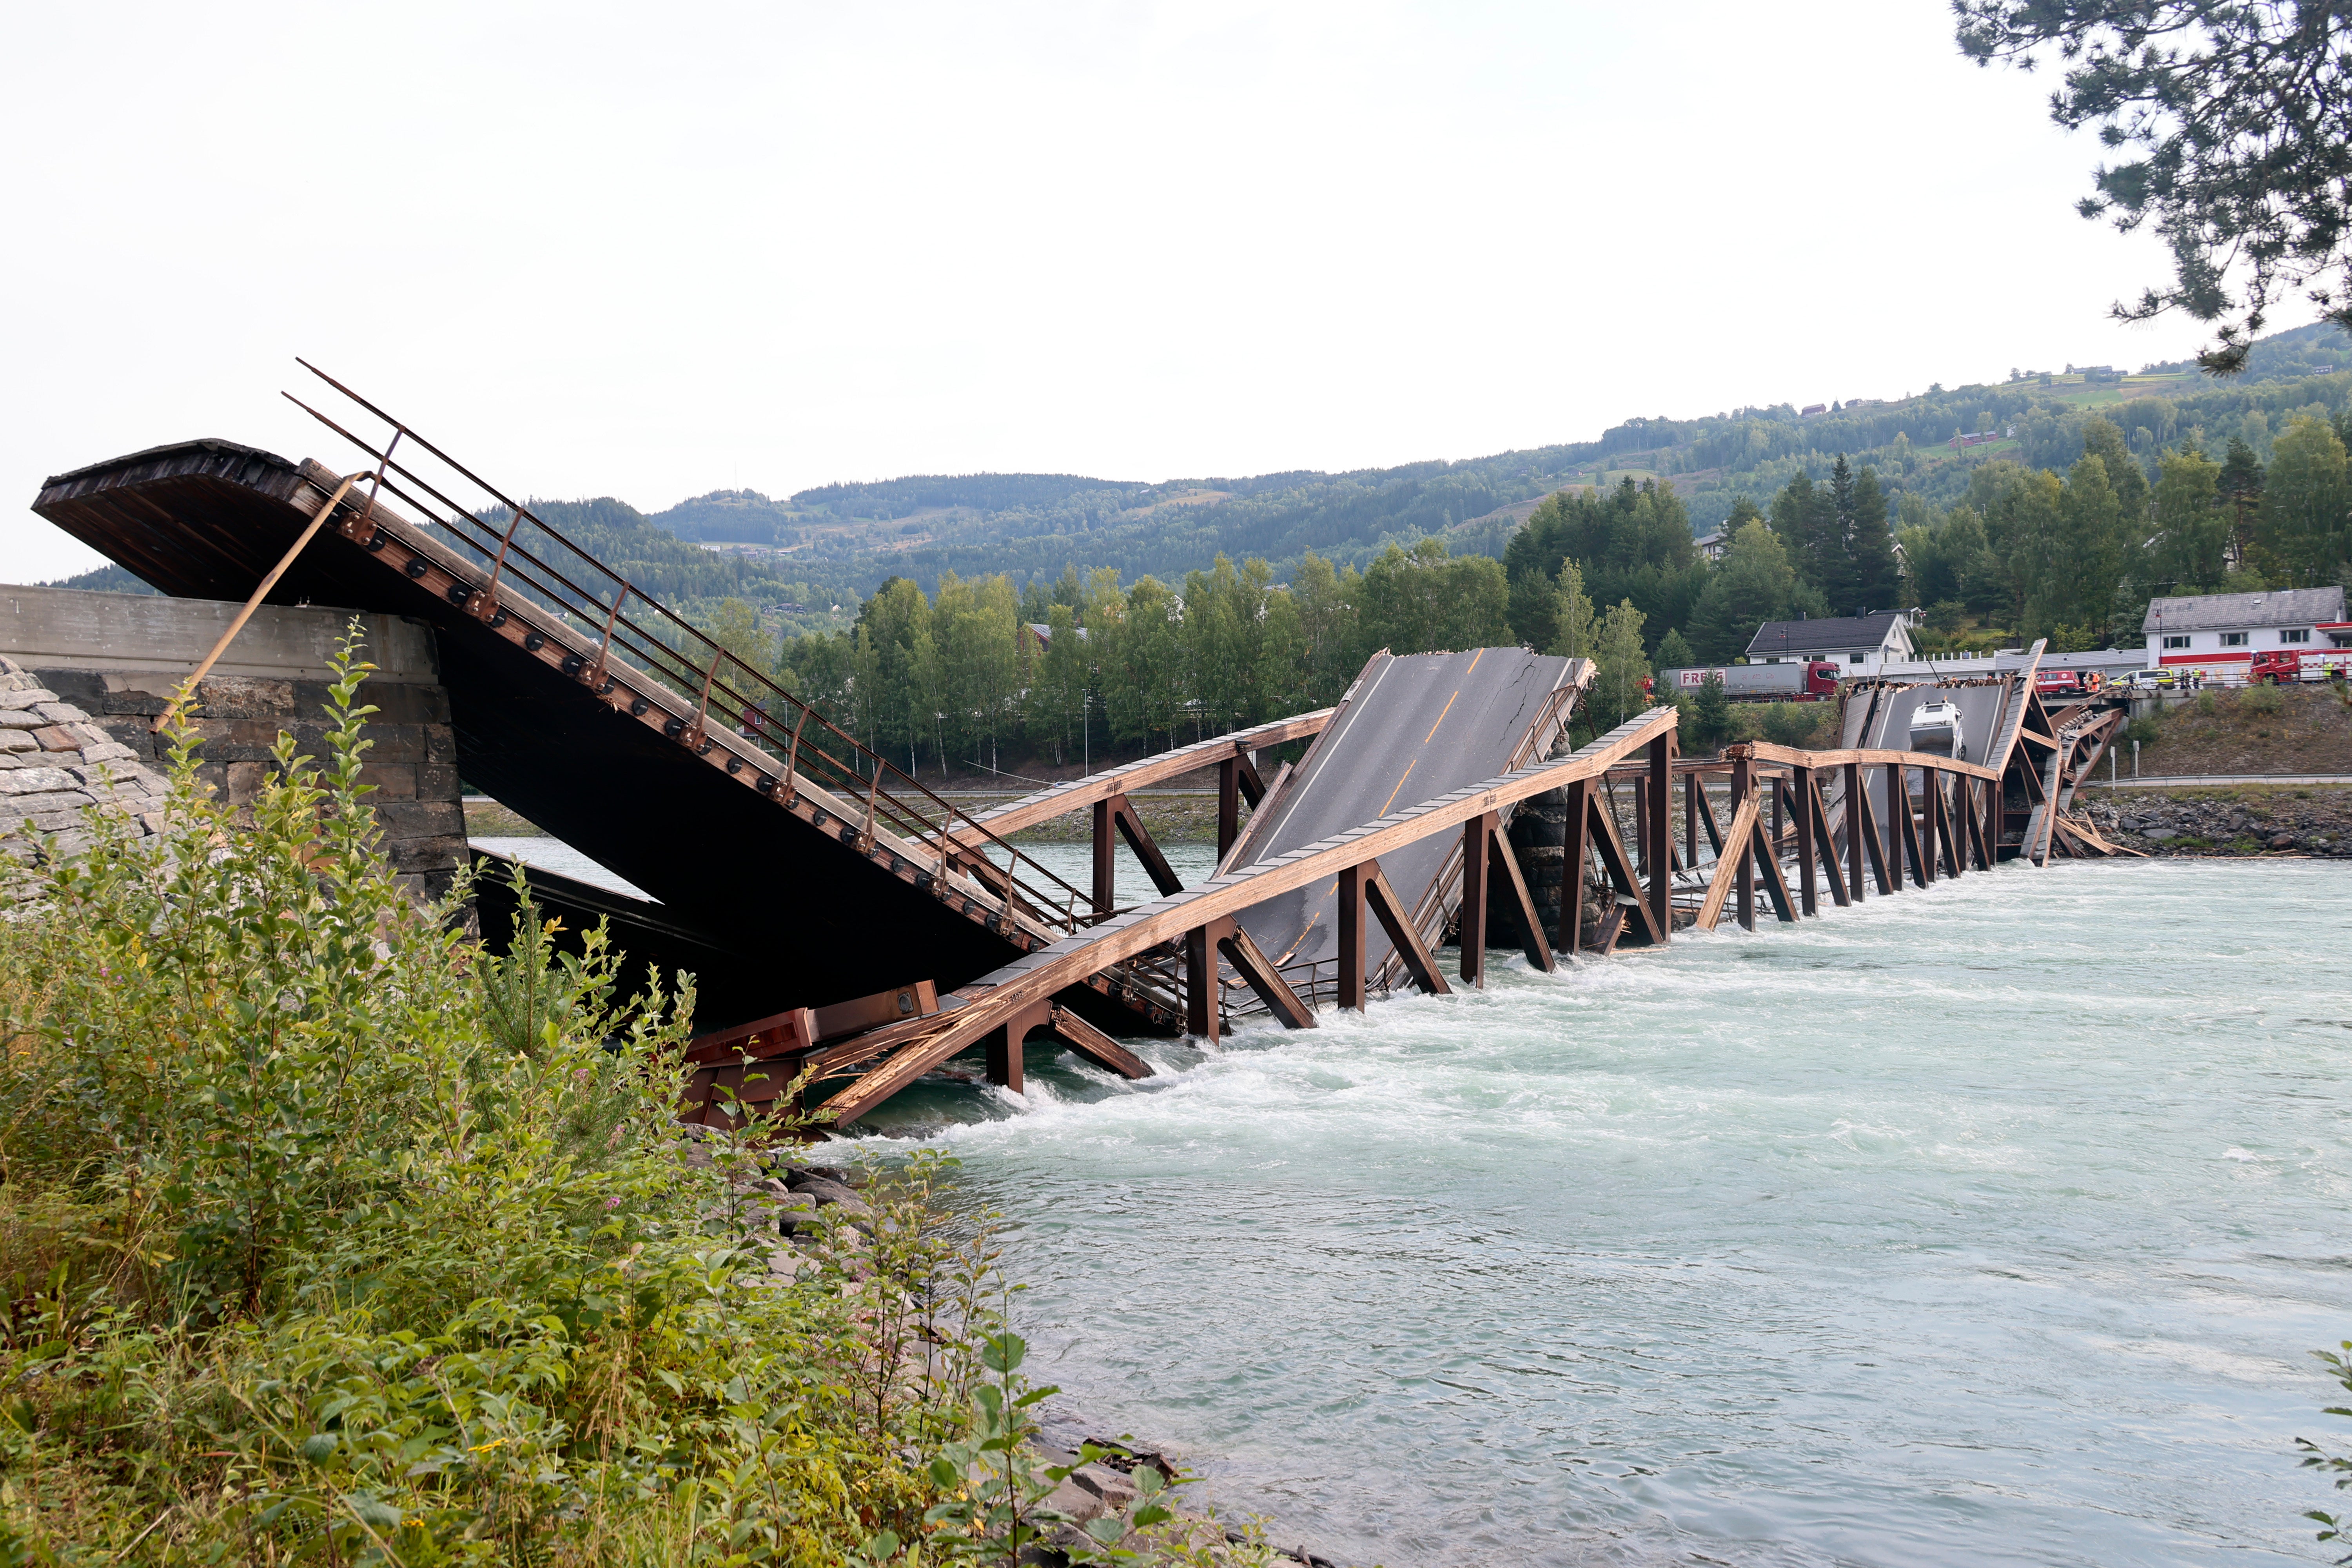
(2221, 632)
(1860, 642)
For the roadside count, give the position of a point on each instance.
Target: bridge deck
(816, 880)
(1411, 729)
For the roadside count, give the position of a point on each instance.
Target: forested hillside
(2079, 498)
(2053, 504)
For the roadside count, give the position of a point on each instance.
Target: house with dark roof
(1860, 642)
(2225, 629)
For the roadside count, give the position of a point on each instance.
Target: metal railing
(633, 630)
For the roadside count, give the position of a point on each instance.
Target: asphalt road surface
(1418, 727)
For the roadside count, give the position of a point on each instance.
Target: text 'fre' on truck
(1810, 681)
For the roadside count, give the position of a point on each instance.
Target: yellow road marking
(1400, 785)
(1441, 717)
(1474, 658)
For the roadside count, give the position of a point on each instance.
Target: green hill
(834, 544)
(1034, 525)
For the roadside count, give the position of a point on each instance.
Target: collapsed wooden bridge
(801, 866)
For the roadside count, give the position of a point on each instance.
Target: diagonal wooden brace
(1397, 920)
(1503, 869)
(1619, 868)
(1826, 842)
(1251, 964)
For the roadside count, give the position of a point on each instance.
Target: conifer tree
(2241, 487)
(1807, 518)
(1875, 583)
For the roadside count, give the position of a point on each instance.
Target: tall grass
(325, 1237)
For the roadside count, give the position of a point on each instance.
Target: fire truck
(2285, 666)
(2068, 682)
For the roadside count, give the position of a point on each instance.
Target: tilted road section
(1413, 728)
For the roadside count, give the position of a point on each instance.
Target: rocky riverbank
(829, 1223)
(2235, 821)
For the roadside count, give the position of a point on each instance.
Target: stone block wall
(115, 660)
(411, 762)
(55, 764)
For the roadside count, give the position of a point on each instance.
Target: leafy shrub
(325, 1237)
(2263, 700)
(1793, 724)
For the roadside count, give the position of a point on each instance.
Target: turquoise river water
(1991, 1223)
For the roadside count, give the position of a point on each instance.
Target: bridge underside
(782, 908)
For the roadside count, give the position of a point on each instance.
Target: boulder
(1116, 1489)
(2283, 841)
(833, 1194)
(1076, 1500)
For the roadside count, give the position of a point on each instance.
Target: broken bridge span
(816, 873)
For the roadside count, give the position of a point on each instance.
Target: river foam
(1993, 1222)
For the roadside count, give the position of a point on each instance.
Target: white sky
(651, 251)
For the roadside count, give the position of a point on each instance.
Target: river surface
(1991, 1223)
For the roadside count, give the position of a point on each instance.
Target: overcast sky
(651, 251)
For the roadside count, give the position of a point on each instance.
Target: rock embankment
(56, 764)
(2254, 821)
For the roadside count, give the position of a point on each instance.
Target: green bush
(327, 1239)
(2262, 700)
(1793, 724)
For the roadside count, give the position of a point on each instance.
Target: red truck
(2285, 666)
(1809, 680)
(2068, 682)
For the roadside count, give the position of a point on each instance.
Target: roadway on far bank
(2179, 780)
